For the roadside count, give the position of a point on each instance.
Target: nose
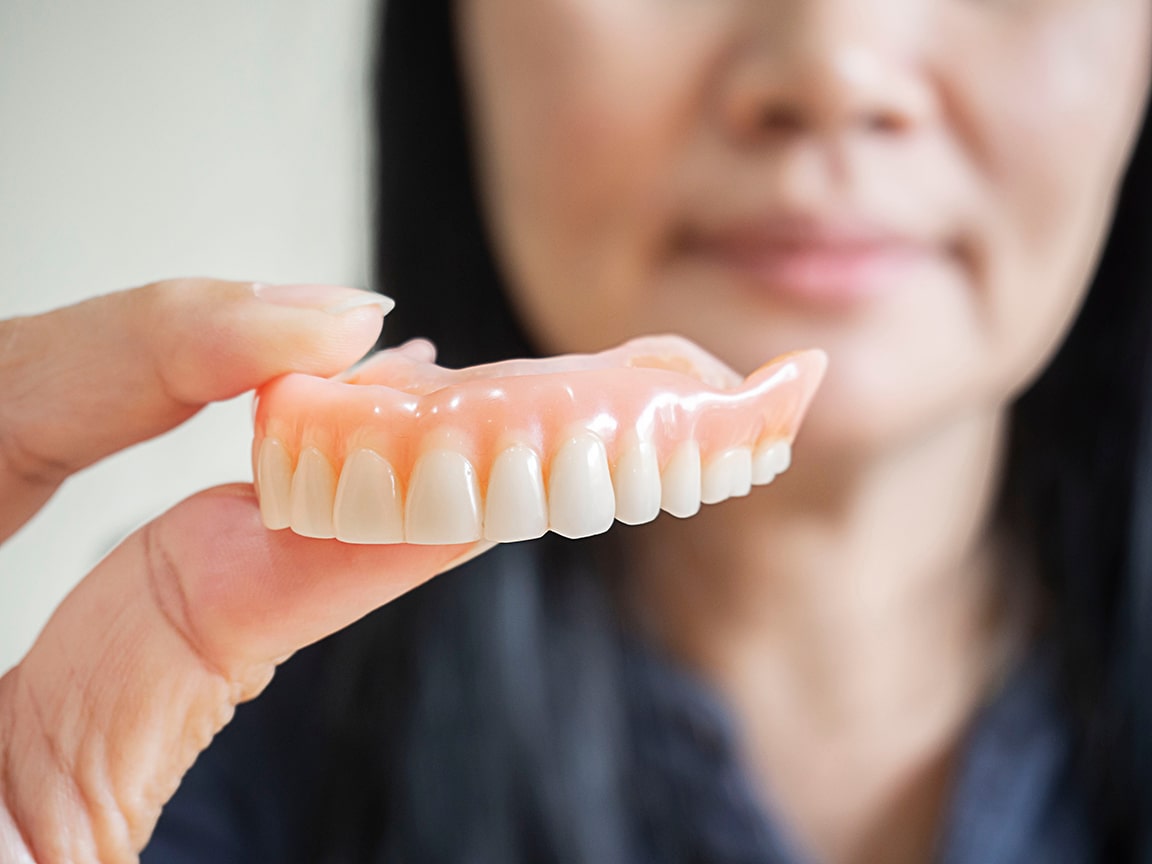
(829, 67)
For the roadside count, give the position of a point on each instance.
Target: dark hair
(432, 249)
(477, 718)
(1078, 491)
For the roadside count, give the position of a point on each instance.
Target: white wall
(141, 139)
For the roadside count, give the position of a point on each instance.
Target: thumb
(144, 662)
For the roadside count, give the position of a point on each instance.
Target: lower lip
(836, 275)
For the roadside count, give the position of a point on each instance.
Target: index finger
(82, 382)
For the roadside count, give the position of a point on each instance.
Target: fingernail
(324, 298)
(384, 304)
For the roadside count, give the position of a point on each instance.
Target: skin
(854, 615)
(847, 614)
(145, 660)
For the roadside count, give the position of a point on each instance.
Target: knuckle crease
(59, 758)
(159, 565)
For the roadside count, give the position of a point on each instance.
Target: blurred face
(920, 187)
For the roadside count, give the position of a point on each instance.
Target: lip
(827, 261)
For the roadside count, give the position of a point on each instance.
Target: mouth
(823, 261)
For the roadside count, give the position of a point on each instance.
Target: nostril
(789, 121)
(782, 119)
(823, 84)
(886, 123)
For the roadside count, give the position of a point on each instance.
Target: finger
(146, 659)
(421, 350)
(81, 382)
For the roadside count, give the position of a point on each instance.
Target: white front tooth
(515, 507)
(769, 460)
(680, 481)
(718, 478)
(274, 481)
(443, 500)
(369, 506)
(741, 467)
(313, 494)
(637, 482)
(580, 497)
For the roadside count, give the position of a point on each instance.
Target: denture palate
(402, 450)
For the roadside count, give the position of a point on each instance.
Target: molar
(581, 501)
(515, 507)
(770, 459)
(637, 483)
(369, 506)
(443, 500)
(313, 493)
(680, 481)
(274, 479)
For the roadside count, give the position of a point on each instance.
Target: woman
(924, 642)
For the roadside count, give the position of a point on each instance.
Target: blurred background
(144, 139)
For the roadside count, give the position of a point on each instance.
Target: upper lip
(804, 231)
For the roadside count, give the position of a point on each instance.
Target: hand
(147, 658)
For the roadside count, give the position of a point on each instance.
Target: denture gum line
(401, 450)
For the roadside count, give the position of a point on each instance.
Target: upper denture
(566, 443)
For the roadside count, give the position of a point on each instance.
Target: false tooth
(782, 456)
(741, 467)
(719, 477)
(274, 480)
(680, 481)
(443, 500)
(580, 497)
(769, 460)
(637, 483)
(313, 493)
(369, 507)
(515, 507)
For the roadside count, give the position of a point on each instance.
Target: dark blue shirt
(251, 797)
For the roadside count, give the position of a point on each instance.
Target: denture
(400, 450)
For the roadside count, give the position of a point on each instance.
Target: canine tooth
(443, 500)
(515, 507)
(313, 493)
(274, 479)
(580, 497)
(680, 481)
(769, 460)
(637, 483)
(369, 507)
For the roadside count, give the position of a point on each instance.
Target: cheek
(579, 128)
(1052, 127)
